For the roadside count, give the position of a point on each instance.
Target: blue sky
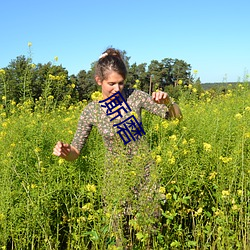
(212, 36)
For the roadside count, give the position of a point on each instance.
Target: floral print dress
(94, 115)
(129, 167)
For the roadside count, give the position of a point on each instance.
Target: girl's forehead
(114, 76)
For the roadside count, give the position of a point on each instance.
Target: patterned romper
(132, 169)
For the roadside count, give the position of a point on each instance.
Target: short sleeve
(147, 103)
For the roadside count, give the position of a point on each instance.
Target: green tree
(18, 79)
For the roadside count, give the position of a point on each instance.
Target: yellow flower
(194, 90)
(198, 212)
(238, 116)
(96, 96)
(156, 127)
(37, 149)
(180, 82)
(134, 114)
(162, 190)
(61, 161)
(137, 81)
(56, 58)
(225, 159)
(207, 147)
(218, 212)
(190, 86)
(51, 77)
(164, 124)
(168, 196)
(91, 188)
(29, 44)
(2, 72)
(135, 86)
(73, 85)
(3, 97)
(50, 97)
(133, 173)
(171, 160)
(158, 159)
(195, 71)
(191, 140)
(235, 207)
(239, 192)
(246, 108)
(225, 193)
(184, 141)
(2, 217)
(212, 175)
(173, 137)
(87, 207)
(175, 122)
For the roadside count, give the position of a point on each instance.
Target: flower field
(202, 162)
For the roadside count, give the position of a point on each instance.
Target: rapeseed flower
(225, 159)
(134, 114)
(191, 140)
(2, 72)
(235, 207)
(225, 193)
(238, 116)
(173, 137)
(96, 96)
(171, 160)
(162, 190)
(29, 44)
(239, 192)
(164, 124)
(56, 58)
(180, 82)
(158, 159)
(212, 175)
(184, 141)
(91, 188)
(2, 217)
(198, 212)
(168, 196)
(156, 127)
(87, 207)
(207, 147)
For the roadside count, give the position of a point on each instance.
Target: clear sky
(212, 36)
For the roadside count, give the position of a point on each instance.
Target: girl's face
(111, 85)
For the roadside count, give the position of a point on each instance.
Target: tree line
(22, 79)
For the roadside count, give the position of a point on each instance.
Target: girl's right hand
(62, 149)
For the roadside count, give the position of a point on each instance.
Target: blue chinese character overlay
(116, 100)
(131, 129)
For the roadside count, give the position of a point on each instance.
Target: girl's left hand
(161, 97)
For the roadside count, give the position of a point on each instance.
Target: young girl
(108, 115)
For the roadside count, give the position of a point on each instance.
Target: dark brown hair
(110, 60)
